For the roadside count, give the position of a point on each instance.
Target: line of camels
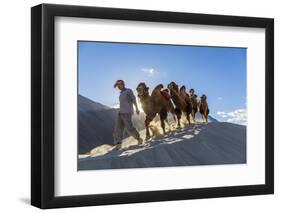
(172, 100)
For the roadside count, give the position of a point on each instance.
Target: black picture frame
(43, 102)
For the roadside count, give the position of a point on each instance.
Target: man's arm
(133, 97)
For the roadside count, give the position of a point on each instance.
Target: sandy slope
(96, 124)
(198, 144)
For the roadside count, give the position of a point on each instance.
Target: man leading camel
(124, 118)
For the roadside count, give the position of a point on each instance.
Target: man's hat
(118, 82)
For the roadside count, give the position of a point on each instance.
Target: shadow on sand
(172, 137)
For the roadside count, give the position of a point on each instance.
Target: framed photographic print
(139, 106)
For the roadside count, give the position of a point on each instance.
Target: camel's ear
(195, 96)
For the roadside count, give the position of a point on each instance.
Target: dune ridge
(200, 144)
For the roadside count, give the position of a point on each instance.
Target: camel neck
(173, 92)
(144, 98)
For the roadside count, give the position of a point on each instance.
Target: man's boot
(117, 147)
(140, 141)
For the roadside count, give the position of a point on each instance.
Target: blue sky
(218, 72)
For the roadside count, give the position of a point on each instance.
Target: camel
(188, 102)
(203, 108)
(181, 101)
(154, 104)
(194, 103)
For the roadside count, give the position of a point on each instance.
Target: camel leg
(193, 116)
(147, 122)
(163, 126)
(188, 118)
(178, 114)
(179, 121)
(175, 118)
(206, 117)
(203, 117)
(163, 116)
(168, 124)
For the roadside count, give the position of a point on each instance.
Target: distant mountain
(86, 105)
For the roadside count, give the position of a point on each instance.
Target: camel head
(182, 88)
(203, 98)
(142, 90)
(173, 86)
(191, 92)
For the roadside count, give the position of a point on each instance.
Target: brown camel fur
(154, 104)
(194, 103)
(203, 108)
(188, 102)
(180, 101)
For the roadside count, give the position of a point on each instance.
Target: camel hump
(157, 90)
(141, 84)
(159, 87)
(183, 91)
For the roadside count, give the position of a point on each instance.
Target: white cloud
(238, 116)
(220, 98)
(150, 71)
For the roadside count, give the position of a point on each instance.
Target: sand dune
(197, 144)
(96, 124)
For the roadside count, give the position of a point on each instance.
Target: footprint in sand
(196, 132)
(174, 141)
(188, 136)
